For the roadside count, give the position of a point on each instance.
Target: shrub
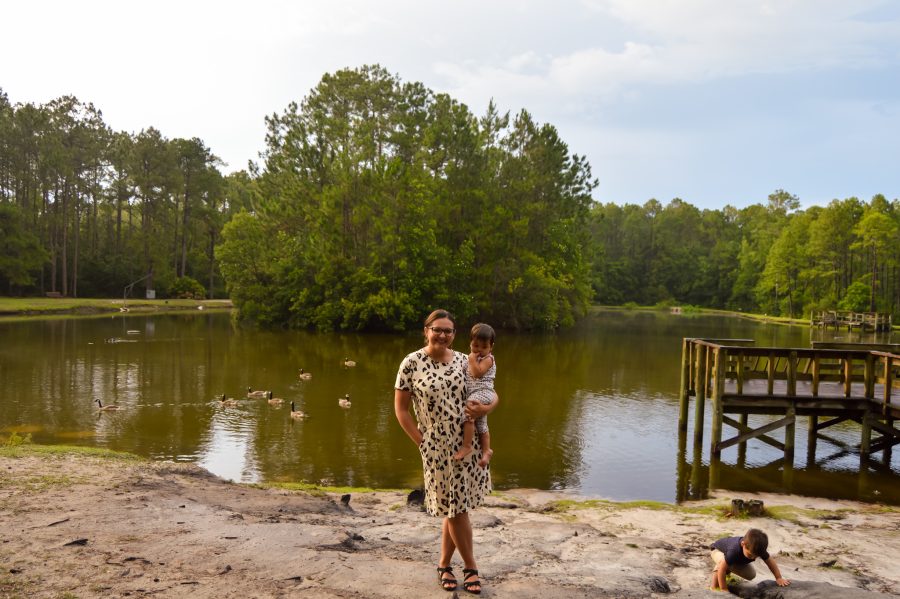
(187, 288)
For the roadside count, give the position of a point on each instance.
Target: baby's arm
(782, 582)
(478, 368)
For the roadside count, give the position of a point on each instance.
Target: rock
(658, 584)
(415, 497)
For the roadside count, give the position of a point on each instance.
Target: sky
(715, 102)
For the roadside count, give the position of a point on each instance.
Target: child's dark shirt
(734, 555)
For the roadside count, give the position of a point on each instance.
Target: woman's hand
(476, 409)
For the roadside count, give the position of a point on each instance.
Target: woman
(432, 379)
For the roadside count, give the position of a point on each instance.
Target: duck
(275, 401)
(251, 394)
(295, 414)
(348, 363)
(108, 408)
(305, 376)
(227, 401)
(344, 402)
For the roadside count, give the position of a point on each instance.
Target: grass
(26, 450)
(565, 505)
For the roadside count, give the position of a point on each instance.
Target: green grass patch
(797, 514)
(26, 450)
(566, 505)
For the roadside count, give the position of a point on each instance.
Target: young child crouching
(737, 554)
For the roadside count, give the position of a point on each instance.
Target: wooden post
(771, 371)
(700, 394)
(742, 446)
(684, 395)
(888, 371)
(870, 376)
(811, 438)
(740, 373)
(715, 437)
(790, 430)
(792, 374)
(815, 375)
(865, 444)
(848, 374)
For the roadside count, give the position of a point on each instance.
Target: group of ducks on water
(343, 402)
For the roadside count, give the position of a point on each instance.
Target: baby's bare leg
(486, 452)
(468, 433)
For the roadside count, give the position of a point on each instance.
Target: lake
(592, 409)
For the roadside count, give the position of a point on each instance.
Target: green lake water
(592, 409)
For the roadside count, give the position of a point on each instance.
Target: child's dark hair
(483, 332)
(756, 541)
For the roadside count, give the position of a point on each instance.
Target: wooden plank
(742, 427)
(771, 372)
(884, 429)
(755, 433)
(740, 372)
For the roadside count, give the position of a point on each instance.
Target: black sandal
(468, 584)
(448, 584)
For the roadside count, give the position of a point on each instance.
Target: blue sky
(715, 102)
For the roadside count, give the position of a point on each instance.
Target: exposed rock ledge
(92, 527)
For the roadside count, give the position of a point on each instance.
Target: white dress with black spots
(438, 392)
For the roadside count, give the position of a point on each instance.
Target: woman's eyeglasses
(441, 331)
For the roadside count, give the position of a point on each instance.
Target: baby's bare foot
(463, 452)
(486, 458)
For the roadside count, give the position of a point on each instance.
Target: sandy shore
(80, 526)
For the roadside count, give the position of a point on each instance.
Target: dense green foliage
(377, 200)
(84, 210)
(771, 258)
(380, 199)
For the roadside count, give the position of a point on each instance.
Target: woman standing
(432, 379)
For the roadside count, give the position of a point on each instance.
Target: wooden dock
(829, 384)
(862, 321)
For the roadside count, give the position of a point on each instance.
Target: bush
(857, 298)
(187, 288)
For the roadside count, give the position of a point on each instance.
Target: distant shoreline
(14, 307)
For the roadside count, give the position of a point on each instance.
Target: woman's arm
(476, 409)
(406, 420)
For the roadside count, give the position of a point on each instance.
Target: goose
(227, 401)
(344, 402)
(305, 376)
(251, 394)
(348, 363)
(275, 401)
(295, 414)
(102, 408)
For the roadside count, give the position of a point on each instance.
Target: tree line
(376, 199)
(85, 210)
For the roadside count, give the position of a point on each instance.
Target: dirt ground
(80, 526)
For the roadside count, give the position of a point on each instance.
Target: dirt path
(76, 526)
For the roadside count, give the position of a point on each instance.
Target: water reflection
(592, 409)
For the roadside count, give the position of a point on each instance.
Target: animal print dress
(438, 392)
